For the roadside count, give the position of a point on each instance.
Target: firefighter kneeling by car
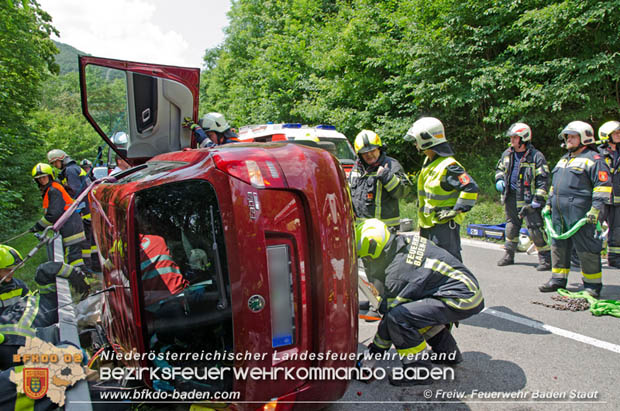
(426, 290)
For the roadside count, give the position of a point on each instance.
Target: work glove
(547, 209)
(592, 215)
(535, 204)
(446, 214)
(34, 229)
(189, 123)
(78, 281)
(383, 174)
(500, 186)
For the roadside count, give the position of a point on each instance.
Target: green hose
(597, 307)
(563, 236)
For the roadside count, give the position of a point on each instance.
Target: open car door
(145, 103)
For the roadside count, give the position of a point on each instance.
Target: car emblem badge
(256, 303)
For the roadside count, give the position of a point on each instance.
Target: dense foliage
(26, 60)
(478, 65)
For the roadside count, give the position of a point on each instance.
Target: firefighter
(11, 289)
(425, 290)
(445, 190)
(161, 275)
(121, 164)
(30, 315)
(212, 130)
(580, 188)
(87, 166)
(522, 176)
(609, 135)
(377, 181)
(56, 201)
(75, 180)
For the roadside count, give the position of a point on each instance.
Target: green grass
(24, 245)
(486, 211)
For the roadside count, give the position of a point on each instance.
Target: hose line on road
(597, 307)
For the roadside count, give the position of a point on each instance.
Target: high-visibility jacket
(37, 309)
(12, 292)
(580, 182)
(377, 196)
(613, 163)
(56, 201)
(75, 181)
(416, 268)
(161, 276)
(533, 175)
(442, 185)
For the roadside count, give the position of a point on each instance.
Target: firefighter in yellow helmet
(425, 290)
(609, 136)
(445, 190)
(11, 289)
(377, 181)
(581, 187)
(56, 201)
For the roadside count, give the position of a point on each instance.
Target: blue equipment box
(494, 231)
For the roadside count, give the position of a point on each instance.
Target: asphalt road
(517, 355)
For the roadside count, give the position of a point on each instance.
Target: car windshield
(343, 148)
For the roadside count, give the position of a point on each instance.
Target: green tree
(26, 60)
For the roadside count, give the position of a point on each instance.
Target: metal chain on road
(566, 304)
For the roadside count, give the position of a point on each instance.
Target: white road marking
(554, 330)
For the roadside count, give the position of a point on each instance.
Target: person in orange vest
(161, 276)
(56, 201)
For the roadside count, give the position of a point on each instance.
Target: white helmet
(214, 122)
(120, 139)
(580, 128)
(604, 132)
(56, 154)
(522, 130)
(427, 132)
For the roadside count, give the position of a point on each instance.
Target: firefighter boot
(417, 372)
(368, 362)
(544, 261)
(445, 346)
(593, 289)
(509, 257)
(552, 285)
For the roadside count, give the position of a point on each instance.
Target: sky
(150, 31)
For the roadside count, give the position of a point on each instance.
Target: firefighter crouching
(581, 187)
(445, 190)
(29, 314)
(609, 135)
(55, 201)
(377, 181)
(426, 289)
(522, 176)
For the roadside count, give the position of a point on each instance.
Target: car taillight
(261, 170)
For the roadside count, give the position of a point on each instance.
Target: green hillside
(67, 58)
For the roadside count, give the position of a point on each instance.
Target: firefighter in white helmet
(522, 177)
(212, 130)
(581, 187)
(445, 190)
(609, 136)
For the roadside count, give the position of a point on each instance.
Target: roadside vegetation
(478, 65)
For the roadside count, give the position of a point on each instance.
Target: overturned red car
(242, 254)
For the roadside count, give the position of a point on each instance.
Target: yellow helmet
(366, 141)
(42, 169)
(9, 256)
(371, 236)
(606, 129)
